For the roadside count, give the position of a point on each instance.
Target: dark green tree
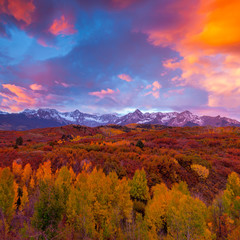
(20, 194)
(19, 141)
(48, 210)
(140, 144)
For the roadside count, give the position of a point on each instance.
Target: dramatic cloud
(17, 98)
(21, 10)
(209, 50)
(62, 26)
(114, 55)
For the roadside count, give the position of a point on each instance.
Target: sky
(118, 55)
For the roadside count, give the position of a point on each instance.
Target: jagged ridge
(51, 117)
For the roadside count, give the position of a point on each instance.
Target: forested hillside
(113, 182)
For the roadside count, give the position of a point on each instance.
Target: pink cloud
(125, 77)
(156, 86)
(21, 10)
(36, 87)
(62, 26)
(66, 85)
(104, 93)
(207, 39)
(16, 98)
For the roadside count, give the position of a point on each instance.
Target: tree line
(42, 204)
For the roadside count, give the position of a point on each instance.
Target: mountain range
(30, 119)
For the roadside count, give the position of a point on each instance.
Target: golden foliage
(44, 172)
(202, 171)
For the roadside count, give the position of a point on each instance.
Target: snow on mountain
(1, 112)
(185, 118)
(54, 118)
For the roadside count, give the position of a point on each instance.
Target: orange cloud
(221, 27)
(155, 89)
(209, 44)
(22, 10)
(17, 97)
(210, 26)
(156, 85)
(125, 77)
(104, 93)
(62, 26)
(36, 87)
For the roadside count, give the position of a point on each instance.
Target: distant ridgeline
(30, 119)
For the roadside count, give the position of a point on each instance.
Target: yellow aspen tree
(73, 175)
(186, 218)
(26, 175)
(124, 203)
(139, 189)
(156, 210)
(79, 213)
(32, 183)
(24, 199)
(15, 187)
(44, 172)
(63, 183)
(7, 193)
(17, 170)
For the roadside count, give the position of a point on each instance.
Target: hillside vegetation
(114, 182)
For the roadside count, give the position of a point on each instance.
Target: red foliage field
(167, 156)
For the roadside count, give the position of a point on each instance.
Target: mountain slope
(29, 119)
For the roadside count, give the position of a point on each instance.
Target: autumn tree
(231, 196)
(99, 206)
(17, 171)
(63, 183)
(7, 192)
(27, 173)
(186, 218)
(44, 172)
(175, 213)
(7, 200)
(139, 191)
(156, 210)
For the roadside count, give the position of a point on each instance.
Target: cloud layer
(111, 55)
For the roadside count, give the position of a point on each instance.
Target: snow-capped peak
(185, 118)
